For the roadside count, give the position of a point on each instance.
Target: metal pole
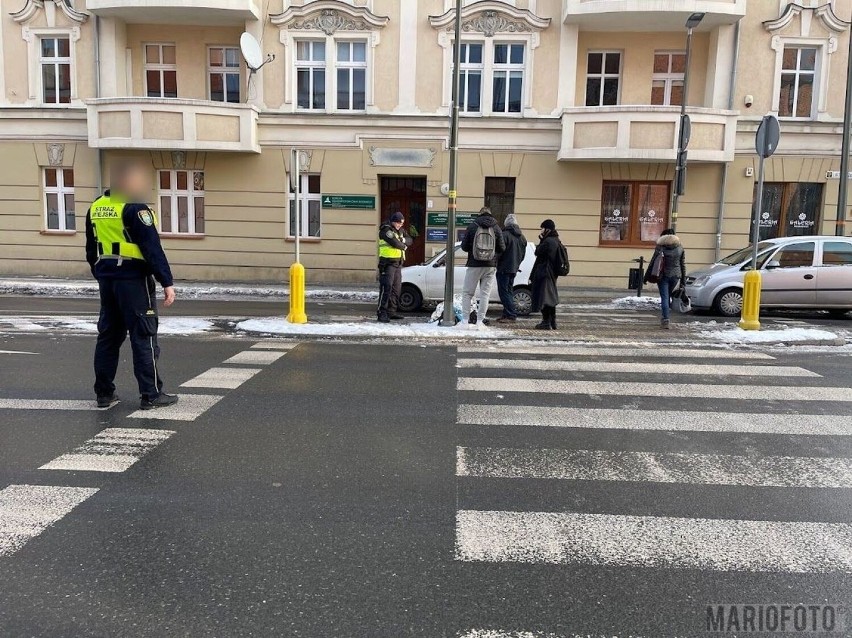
(681, 166)
(844, 152)
(297, 203)
(449, 261)
(755, 231)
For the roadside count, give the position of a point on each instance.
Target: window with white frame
(310, 208)
(798, 77)
(310, 74)
(470, 72)
(55, 65)
(667, 82)
(223, 74)
(181, 197)
(160, 70)
(603, 78)
(507, 94)
(59, 199)
(351, 75)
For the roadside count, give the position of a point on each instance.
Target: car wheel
(410, 298)
(729, 302)
(839, 314)
(523, 300)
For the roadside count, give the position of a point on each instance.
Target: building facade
(570, 111)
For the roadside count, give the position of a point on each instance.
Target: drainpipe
(100, 161)
(723, 186)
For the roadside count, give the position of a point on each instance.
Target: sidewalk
(223, 291)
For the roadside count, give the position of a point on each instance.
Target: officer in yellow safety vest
(392, 247)
(124, 252)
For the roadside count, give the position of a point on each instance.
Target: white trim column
(567, 68)
(255, 28)
(407, 101)
(720, 61)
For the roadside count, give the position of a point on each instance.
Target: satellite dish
(251, 51)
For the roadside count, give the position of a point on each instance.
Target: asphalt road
(385, 490)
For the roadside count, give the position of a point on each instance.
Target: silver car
(812, 272)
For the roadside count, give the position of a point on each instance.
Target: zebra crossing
(543, 405)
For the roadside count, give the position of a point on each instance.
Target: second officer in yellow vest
(124, 252)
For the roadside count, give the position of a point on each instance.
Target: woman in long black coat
(545, 295)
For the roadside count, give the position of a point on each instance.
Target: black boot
(553, 317)
(545, 320)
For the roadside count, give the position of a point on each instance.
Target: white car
(425, 283)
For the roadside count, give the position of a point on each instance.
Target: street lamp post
(449, 318)
(684, 125)
(843, 189)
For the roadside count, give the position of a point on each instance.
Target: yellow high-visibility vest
(386, 251)
(107, 216)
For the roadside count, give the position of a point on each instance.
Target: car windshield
(742, 255)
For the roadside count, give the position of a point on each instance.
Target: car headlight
(698, 281)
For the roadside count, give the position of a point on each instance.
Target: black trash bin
(634, 280)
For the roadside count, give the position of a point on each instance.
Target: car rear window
(837, 253)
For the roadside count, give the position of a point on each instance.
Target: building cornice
(490, 17)
(328, 16)
(32, 7)
(824, 13)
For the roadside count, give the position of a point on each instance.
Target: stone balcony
(650, 15)
(172, 124)
(645, 134)
(196, 12)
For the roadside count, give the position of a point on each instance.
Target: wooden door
(408, 196)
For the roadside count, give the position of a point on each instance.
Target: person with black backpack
(483, 242)
(551, 262)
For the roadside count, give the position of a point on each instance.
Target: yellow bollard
(297, 294)
(750, 318)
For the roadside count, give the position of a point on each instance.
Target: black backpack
(563, 265)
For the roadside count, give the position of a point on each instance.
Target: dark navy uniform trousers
(128, 306)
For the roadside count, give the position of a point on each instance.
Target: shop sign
(440, 218)
(436, 234)
(802, 222)
(351, 202)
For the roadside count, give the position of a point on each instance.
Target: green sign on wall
(352, 202)
(440, 218)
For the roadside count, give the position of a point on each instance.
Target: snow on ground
(168, 325)
(185, 290)
(184, 325)
(787, 335)
(636, 302)
(273, 325)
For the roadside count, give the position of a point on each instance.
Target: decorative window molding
(329, 21)
(32, 7)
(497, 23)
(490, 18)
(329, 17)
(785, 34)
(33, 36)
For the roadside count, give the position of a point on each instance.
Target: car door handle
(809, 277)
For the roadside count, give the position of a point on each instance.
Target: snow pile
(168, 325)
(49, 287)
(343, 295)
(184, 325)
(784, 335)
(636, 302)
(274, 325)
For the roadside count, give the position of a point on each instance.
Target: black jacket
(543, 276)
(516, 249)
(483, 221)
(144, 236)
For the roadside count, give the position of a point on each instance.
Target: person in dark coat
(670, 250)
(508, 266)
(545, 295)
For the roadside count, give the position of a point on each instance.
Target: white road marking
(256, 357)
(617, 351)
(592, 418)
(112, 450)
(189, 408)
(50, 404)
(499, 633)
(275, 345)
(653, 541)
(655, 467)
(16, 352)
(227, 378)
(639, 368)
(27, 510)
(668, 390)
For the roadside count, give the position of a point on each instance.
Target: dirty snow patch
(636, 302)
(274, 325)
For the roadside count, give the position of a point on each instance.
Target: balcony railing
(206, 12)
(650, 15)
(645, 133)
(172, 124)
